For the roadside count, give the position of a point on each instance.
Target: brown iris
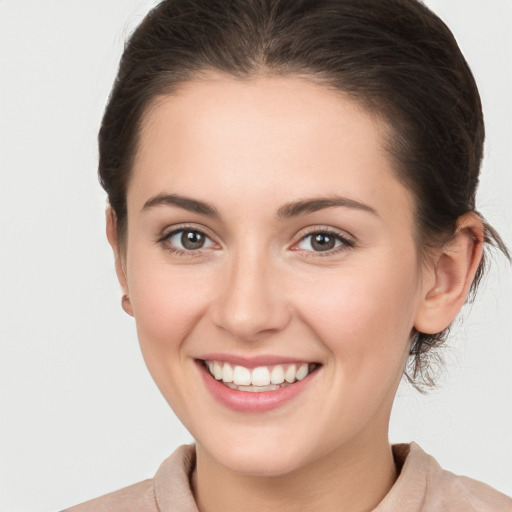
(322, 242)
(192, 240)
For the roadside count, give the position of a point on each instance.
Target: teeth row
(260, 376)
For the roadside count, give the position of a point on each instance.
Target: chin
(260, 457)
(259, 462)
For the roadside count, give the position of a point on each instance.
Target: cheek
(364, 319)
(168, 302)
(364, 313)
(168, 305)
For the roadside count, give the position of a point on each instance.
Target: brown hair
(395, 57)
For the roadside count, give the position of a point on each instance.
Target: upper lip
(254, 361)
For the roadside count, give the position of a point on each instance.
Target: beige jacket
(422, 486)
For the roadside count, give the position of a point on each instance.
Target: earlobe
(113, 240)
(450, 276)
(127, 305)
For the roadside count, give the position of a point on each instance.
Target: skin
(258, 287)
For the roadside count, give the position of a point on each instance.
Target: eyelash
(345, 242)
(165, 241)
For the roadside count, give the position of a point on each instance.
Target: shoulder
(140, 497)
(168, 490)
(472, 495)
(447, 491)
(423, 486)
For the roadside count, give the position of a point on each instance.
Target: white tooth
(270, 387)
(241, 376)
(257, 389)
(302, 371)
(277, 375)
(210, 366)
(217, 370)
(227, 373)
(260, 376)
(290, 373)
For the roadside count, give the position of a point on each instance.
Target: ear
(448, 280)
(120, 263)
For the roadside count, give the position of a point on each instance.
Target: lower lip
(247, 401)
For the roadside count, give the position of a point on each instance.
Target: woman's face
(268, 237)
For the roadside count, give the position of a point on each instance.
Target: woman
(294, 221)
(292, 211)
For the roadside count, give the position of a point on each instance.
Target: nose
(251, 303)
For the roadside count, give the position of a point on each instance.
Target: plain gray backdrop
(79, 413)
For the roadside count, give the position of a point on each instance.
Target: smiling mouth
(261, 378)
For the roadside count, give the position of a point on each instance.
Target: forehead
(277, 109)
(252, 137)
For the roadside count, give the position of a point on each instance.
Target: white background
(79, 413)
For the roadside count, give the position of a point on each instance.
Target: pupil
(322, 242)
(192, 240)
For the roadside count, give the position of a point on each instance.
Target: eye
(323, 241)
(187, 240)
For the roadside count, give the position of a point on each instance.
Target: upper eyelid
(172, 230)
(324, 229)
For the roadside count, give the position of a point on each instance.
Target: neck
(351, 479)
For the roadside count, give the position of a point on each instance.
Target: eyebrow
(293, 209)
(306, 206)
(192, 205)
